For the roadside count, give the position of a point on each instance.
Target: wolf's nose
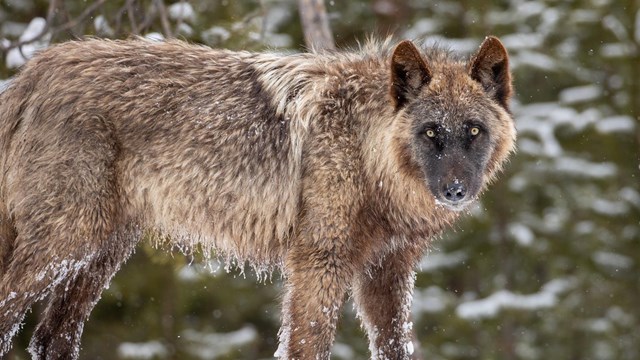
(455, 192)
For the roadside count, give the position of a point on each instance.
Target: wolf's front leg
(383, 296)
(326, 247)
(315, 290)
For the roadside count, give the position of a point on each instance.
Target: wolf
(336, 167)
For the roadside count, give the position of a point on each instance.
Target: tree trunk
(315, 25)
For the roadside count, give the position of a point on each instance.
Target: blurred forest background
(547, 266)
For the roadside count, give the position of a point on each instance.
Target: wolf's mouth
(454, 205)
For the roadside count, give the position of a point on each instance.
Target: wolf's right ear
(490, 67)
(409, 73)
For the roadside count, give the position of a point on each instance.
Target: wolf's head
(457, 117)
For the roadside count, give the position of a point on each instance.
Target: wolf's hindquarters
(71, 232)
(58, 333)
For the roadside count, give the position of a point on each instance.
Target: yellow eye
(474, 131)
(431, 133)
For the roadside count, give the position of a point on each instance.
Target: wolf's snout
(455, 192)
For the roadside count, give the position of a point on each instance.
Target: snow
(620, 317)
(603, 350)
(188, 273)
(5, 342)
(490, 306)
(612, 260)
(521, 41)
(455, 45)
(34, 29)
(543, 130)
(529, 9)
(542, 120)
(58, 271)
(147, 350)
(580, 94)
(102, 26)
(584, 228)
(21, 5)
(284, 334)
(436, 261)
(342, 351)
(613, 24)
(616, 124)
(184, 29)
(535, 110)
(587, 16)
(557, 286)
(518, 183)
(568, 48)
(616, 50)
(409, 347)
(505, 299)
(599, 325)
(277, 40)
(182, 11)
(422, 27)
(499, 17)
(215, 35)
(211, 345)
(277, 15)
(4, 84)
(18, 56)
(527, 146)
(534, 59)
(430, 300)
(522, 234)
(610, 208)
(519, 13)
(630, 195)
(155, 36)
(560, 115)
(12, 29)
(550, 18)
(584, 168)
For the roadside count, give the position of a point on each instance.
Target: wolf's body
(309, 163)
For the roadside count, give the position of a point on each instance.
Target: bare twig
(149, 17)
(80, 18)
(51, 11)
(118, 20)
(62, 17)
(54, 30)
(180, 18)
(263, 28)
(164, 19)
(132, 17)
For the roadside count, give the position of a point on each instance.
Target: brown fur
(312, 163)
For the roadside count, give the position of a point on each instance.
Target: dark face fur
(458, 117)
(453, 154)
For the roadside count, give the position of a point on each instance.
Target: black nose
(455, 192)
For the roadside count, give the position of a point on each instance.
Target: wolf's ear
(490, 67)
(409, 73)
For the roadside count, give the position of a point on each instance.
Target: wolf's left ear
(409, 73)
(490, 67)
